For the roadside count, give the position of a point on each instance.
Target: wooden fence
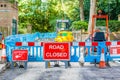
(80, 36)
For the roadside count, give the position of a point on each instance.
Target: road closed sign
(20, 55)
(56, 51)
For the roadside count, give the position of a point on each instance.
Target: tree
(110, 7)
(92, 12)
(40, 15)
(77, 25)
(81, 4)
(43, 15)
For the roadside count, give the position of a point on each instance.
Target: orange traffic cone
(102, 63)
(3, 57)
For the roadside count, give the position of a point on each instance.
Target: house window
(1, 5)
(5, 5)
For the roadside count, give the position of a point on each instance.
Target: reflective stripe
(88, 43)
(24, 44)
(37, 43)
(114, 43)
(75, 44)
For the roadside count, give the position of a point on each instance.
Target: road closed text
(56, 54)
(56, 47)
(56, 51)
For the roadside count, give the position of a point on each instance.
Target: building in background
(8, 17)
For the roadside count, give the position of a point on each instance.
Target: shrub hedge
(77, 25)
(113, 25)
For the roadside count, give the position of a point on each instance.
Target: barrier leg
(95, 62)
(12, 65)
(66, 64)
(107, 63)
(46, 64)
(69, 65)
(25, 65)
(82, 55)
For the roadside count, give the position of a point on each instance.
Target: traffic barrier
(114, 50)
(75, 51)
(35, 50)
(25, 52)
(89, 54)
(3, 57)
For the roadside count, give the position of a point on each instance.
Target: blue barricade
(36, 52)
(30, 37)
(11, 40)
(89, 51)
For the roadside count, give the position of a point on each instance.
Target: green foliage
(110, 7)
(72, 9)
(86, 9)
(114, 26)
(100, 23)
(43, 15)
(77, 25)
(21, 31)
(12, 1)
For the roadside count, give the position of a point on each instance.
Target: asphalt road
(37, 71)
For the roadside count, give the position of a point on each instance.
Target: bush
(22, 31)
(113, 25)
(77, 25)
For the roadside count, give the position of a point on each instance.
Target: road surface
(37, 71)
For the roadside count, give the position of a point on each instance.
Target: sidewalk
(2, 67)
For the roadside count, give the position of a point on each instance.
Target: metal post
(66, 64)
(46, 64)
(12, 65)
(25, 63)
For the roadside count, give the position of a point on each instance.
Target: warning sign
(114, 50)
(20, 55)
(56, 51)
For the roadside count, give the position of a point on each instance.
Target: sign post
(54, 51)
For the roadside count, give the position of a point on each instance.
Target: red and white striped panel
(74, 43)
(114, 48)
(113, 43)
(84, 44)
(115, 51)
(29, 44)
(88, 43)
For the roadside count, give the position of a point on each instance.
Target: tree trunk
(81, 9)
(92, 12)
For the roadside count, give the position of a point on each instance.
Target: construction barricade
(29, 42)
(95, 52)
(26, 52)
(114, 50)
(34, 50)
